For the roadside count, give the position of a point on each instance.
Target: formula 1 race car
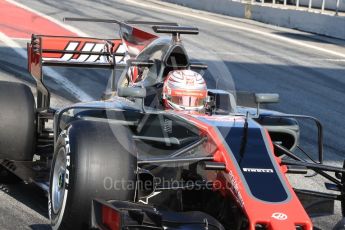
(127, 162)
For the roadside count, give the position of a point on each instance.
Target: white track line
(215, 21)
(14, 45)
(68, 85)
(21, 39)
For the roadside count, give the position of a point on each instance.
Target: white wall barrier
(326, 19)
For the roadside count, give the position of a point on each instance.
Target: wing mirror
(265, 98)
(131, 92)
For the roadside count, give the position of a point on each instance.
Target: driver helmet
(184, 90)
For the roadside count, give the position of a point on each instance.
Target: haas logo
(279, 216)
(88, 47)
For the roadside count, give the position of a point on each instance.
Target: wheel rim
(58, 182)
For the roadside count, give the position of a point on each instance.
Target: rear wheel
(17, 127)
(87, 162)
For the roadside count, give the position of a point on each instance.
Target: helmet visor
(188, 101)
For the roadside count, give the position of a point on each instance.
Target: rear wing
(82, 52)
(70, 52)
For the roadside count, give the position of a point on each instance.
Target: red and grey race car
(126, 162)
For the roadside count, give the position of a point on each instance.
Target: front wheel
(88, 161)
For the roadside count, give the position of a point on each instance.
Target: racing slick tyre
(88, 160)
(17, 126)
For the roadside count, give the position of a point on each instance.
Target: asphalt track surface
(308, 71)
